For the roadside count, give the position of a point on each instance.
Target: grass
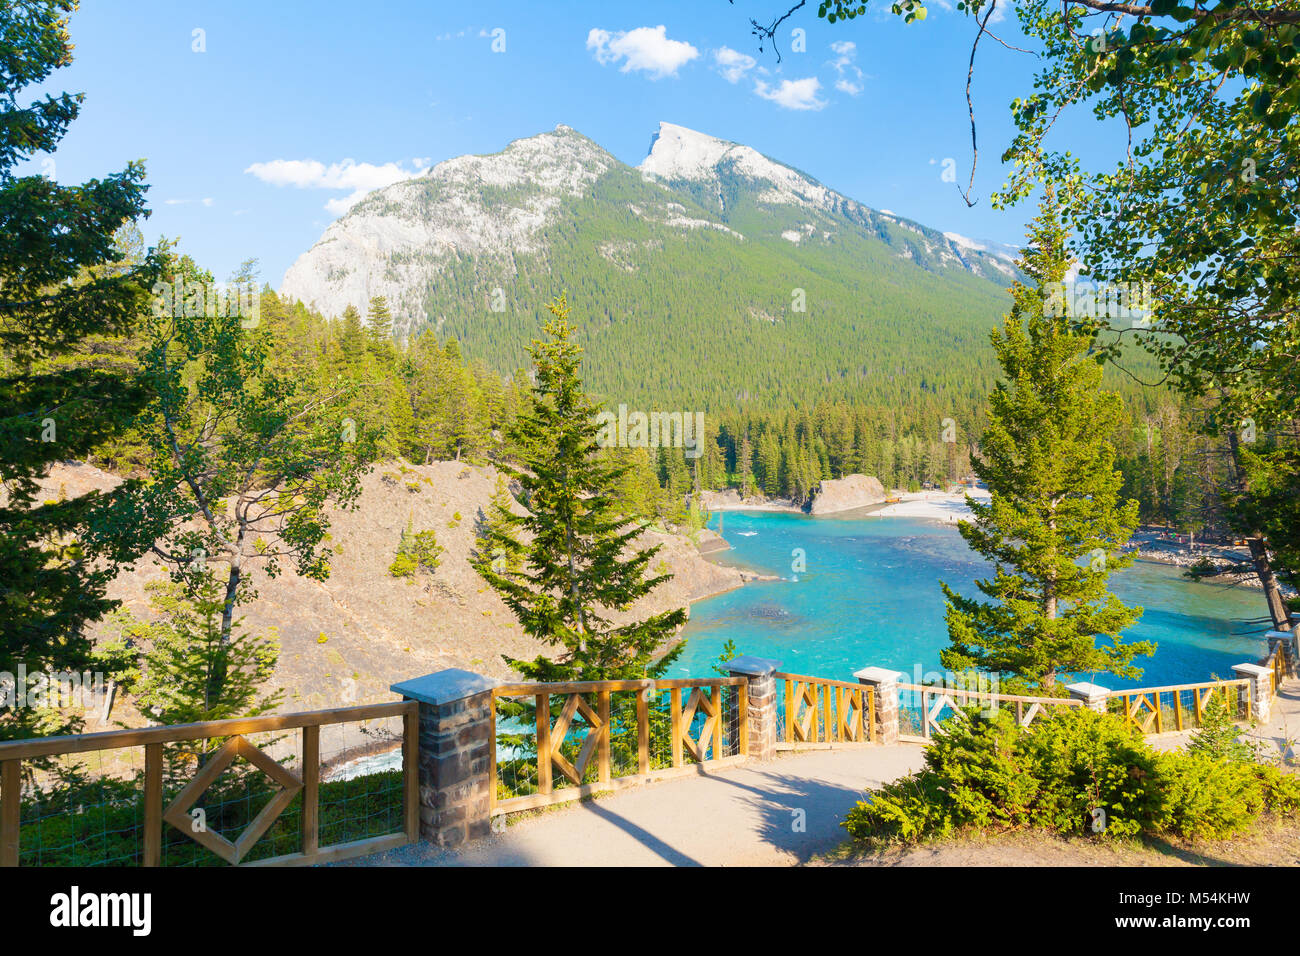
(110, 832)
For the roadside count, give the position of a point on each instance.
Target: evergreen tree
(576, 543)
(1054, 526)
(61, 284)
(380, 326)
(183, 650)
(352, 340)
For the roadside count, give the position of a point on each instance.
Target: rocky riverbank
(832, 496)
(1232, 564)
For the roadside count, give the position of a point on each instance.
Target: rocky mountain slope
(708, 251)
(345, 640)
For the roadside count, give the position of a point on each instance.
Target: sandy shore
(933, 506)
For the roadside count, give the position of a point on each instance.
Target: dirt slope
(347, 639)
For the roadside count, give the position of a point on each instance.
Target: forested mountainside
(708, 277)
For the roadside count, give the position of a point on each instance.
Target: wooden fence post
(11, 806)
(758, 721)
(455, 754)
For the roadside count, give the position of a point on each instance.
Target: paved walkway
(742, 816)
(772, 814)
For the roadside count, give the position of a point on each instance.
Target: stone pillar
(1093, 697)
(885, 683)
(761, 693)
(1287, 642)
(455, 754)
(1260, 699)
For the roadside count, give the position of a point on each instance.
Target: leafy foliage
(62, 283)
(180, 654)
(418, 551)
(1075, 773)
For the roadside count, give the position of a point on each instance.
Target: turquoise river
(870, 595)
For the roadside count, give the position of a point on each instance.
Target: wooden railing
(1146, 710)
(305, 783)
(815, 713)
(628, 734)
(1279, 662)
(932, 701)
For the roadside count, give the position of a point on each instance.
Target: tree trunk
(1277, 608)
(217, 676)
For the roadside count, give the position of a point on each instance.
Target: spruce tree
(182, 649)
(61, 283)
(1055, 526)
(379, 326)
(576, 542)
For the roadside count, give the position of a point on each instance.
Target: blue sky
(256, 143)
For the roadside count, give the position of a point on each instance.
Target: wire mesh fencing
(190, 796)
(560, 741)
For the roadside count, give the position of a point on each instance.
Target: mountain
(708, 275)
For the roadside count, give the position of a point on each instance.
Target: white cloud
(850, 77)
(360, 178)
(793, 94)
(186, 202)
(645, 48)
(732, 64)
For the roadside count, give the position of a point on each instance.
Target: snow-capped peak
(999, 249)
(680, 153)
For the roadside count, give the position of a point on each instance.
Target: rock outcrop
(846, 494)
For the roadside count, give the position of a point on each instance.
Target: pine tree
(379, 325)
(745, 466)
(1055, 525)
(492, 542)
(577, 544)
(182, 650)
(61, 284)
(352, 340)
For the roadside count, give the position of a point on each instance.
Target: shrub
(1208, 797)
(418, 551)
(1087, 761)
(1280, 791)
(985, 772)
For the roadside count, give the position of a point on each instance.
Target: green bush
(1086, 761)
(417, 551)
(1208, 798)
(987, 773)
(1280, 791)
